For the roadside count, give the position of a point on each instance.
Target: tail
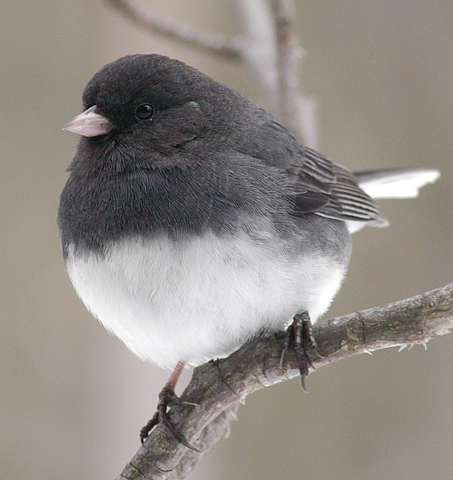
(392, 183)
(395, 182)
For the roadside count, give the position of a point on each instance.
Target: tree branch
(218, 386)
(217, 44)
(260, 54)
(289, 54)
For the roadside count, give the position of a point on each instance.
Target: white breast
(199, 298)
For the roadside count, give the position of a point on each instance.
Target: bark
(218, 387)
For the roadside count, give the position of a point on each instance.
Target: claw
(302, 380)
(168, 398)
(144, 432)
(299, 334)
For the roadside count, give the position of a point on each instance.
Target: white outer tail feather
(392, 183)
(398, 183)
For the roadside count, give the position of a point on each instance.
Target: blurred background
(72, 398)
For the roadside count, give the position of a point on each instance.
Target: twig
(217, 44)
(219, 386)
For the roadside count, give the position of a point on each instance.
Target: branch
(218, 386)
(260, 52)
(217, 44)
(289, 54)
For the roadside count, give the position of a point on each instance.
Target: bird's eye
(145, 111)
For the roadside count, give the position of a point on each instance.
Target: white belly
(199, 298)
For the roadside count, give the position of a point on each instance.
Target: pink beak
(90, 123)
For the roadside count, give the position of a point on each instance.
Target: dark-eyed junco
(192, 220)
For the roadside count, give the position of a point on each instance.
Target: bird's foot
(167, 398)
(299, 335)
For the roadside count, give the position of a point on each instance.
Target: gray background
(72, 398)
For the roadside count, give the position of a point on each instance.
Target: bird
(192, 220)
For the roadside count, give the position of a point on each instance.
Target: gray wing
(314, 183)
(327, 189)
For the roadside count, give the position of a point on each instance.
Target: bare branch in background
(289, 52)
(269, 48)
(217, 44)
(218, 387)
(261, 53)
